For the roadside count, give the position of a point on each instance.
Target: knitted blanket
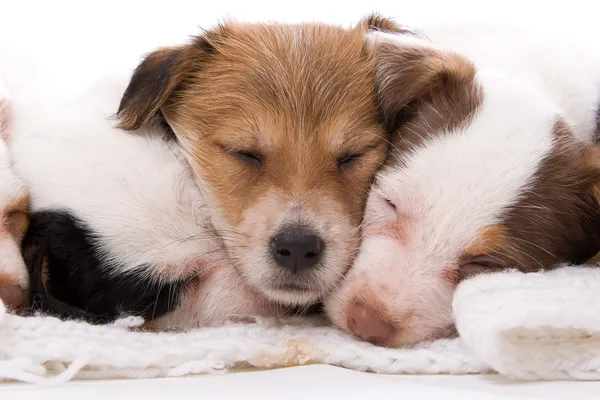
(526, 326)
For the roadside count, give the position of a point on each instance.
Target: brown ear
(161, 74)
(591, 165)
(153, 81)
(376, 22)
(409, 76)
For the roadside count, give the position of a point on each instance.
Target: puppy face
(279, 124)
(485, 176)
(14, 206)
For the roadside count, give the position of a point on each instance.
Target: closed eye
(479, 264)
(250, 157)
(390, 204)
(348, 160)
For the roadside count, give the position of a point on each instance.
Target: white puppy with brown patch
(14, 204)
(493, 168)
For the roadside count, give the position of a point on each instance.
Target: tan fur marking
(490, 239)
(16, 216)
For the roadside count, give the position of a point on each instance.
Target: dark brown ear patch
(410, 78)
(161, 74)
(152, 83)
(376, 22)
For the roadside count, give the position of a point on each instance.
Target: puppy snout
(296, 249)
(365, 323)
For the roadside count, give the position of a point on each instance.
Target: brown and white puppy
(277, 131)
(14, 205)
(493, 168)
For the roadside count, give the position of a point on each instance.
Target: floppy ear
(151, 85)
(157, 79)
(410, 75)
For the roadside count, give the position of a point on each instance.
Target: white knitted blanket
(526, 326)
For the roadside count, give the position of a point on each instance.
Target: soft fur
(247, 133)
(493, 167)
(14, 205)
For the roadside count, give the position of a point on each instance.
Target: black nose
(296, 249)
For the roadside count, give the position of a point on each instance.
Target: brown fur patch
(491, 238)
(11, 293)
(424, 92)
(8, 280)
(15, 216)
(379, 23)
(558, 218)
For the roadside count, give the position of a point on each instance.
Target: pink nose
(12, 295)
(365, 323)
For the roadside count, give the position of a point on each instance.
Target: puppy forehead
(462, 180)
(298, 74)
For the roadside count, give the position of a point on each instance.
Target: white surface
(76, 41)
(311, 382)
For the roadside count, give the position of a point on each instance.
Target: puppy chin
(291, 296)
(287, 289)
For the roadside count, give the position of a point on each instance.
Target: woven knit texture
(526, 326)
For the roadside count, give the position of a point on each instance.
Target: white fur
(133, 190)
(459, 182)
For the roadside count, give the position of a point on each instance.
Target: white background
(56, 47)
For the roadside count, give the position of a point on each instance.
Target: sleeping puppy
(14, 205)
(238, 190)
(493, 168)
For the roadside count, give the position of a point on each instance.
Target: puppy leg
(14, 207)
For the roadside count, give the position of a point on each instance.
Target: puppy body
(493, 167)
(14, 205)
(121, 224)
(238, 190)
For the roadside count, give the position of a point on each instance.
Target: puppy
(238, 190)
(493, 168)
(14, 205)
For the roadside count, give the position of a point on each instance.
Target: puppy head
(279, 124)
(14, 209)
(484, 176)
